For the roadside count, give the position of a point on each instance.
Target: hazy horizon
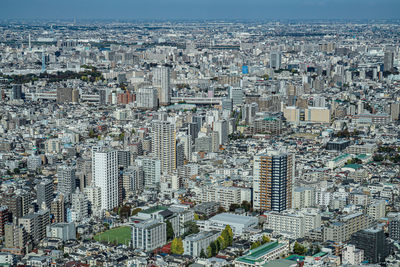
(201, 10)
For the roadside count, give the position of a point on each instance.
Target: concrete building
(63, 231)
(15, 237)
(225, 195)
(341, 230)
(374, 244)
(35, 224)
(146, 98)
(148, 235)
(66, 180)
(105, 176)
(377, 209)
(151, 171)
(263, 254)
(303, 197)
(293, 224)
(238, 223)
(273, 174)
(275, 60)
(352, 255)
(195, 243)
(45, 193)
(164, 145)
(161, 80)
(236, 94)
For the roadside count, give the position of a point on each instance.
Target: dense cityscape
(199, 143)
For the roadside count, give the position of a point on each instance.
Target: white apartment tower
(105, 176)
(164, 145)
(161, 80)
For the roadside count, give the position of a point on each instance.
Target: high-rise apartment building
(164, 145)
(105, 176)
(161, 80)
(66, 180)
(272, 181)
(147, 98)
(388, 60)
(221, 127)
(16, 92)
(236, 94)
(45, 193)
(151, 171)
(275, 60)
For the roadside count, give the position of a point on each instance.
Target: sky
(200, 9)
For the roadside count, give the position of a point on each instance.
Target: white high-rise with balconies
(161, 80)
(105, 176)
(164, 145)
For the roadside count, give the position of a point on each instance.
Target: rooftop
(255, 255)
(154, 209)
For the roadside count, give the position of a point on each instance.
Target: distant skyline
(200, 9)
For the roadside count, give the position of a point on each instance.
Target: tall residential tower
(273, 180)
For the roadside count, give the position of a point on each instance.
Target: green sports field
(121, 235)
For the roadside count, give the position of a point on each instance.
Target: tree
(214, 250)
(136, 211)
(255, 245)
(265, 239)
(299, 249)
(177, 246)
(221, 242)
(16, 171)
(246, 205)
(233, 207)
(209, 252)
(196, 217)
(221, 209)
(203, 254)
(227, 235)
(191, 228)
(170, 231)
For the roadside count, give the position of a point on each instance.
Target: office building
(164, 145)
(105, 176)
(161, 80)
(273, 174)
